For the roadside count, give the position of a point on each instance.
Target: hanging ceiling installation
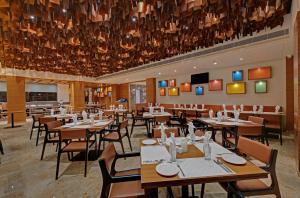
(98, 37)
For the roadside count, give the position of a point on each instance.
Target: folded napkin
(254, 108)
(52, 111)
(84, 115)
(236, 115)
(202, 106)
(162, 109)
(261, 108)
(277, 108)
(74, 118)
(242, 107)
(234, 107)
(224, 107)
(225, 114)
(211, 114)
(219, 116)
(60, 110)
(151, 110)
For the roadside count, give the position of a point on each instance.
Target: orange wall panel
(260, 73)
(16, 98)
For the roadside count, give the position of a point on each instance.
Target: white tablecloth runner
(216, 149)
(153, 154)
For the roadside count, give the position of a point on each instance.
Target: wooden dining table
(151, 180)
(226, 125)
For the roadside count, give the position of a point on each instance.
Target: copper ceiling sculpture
(98, 37)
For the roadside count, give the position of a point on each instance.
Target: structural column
(16, 98)
(77, 95)
(151, 90)
(289, 93)
(297, 91)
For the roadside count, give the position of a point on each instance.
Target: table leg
(12, 120)
(185, 191)
(151, 192)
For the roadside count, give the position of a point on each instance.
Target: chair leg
(129, 142)
(37, 136)
(132, 126)
(121, 142)
(86, 160)
(44, 146)
(280, 135)
(202, 190)
(169, 192)
(1, 148)
(31, 131)
(57, 164)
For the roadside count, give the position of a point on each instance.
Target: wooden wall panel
(124, 91)
(151, 90)
(297, 98)
(77, 95)
(115, 93)
(289, 93)
(16, 98)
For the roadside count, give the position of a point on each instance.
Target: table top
(230, 122)
(155, 114)
(188, 109)
(61, 116)
(151, 179)
(258, 113)
(116, 110)
(98, 125)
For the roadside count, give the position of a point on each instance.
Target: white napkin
(162, 109)
(236, 115)
(151, 110)
(277, 108)
(202, 106)
(184, 106)
(234, 107)
(254, 108)
(219, 116)
(84, 115)
(191, 130)
(52, 111)
(74, 118)
(242, 107)
(101, 115)
(211, 114)
(92, 117)
(224, 107)
(216, 149)
(261, 108)
(174, 105)
(61, 110)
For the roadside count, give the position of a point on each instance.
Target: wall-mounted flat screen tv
(201, 78)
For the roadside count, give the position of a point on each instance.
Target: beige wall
(275, 96)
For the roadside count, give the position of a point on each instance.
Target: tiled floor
(23, 174)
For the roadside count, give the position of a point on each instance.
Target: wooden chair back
(52, 125)
(44, 120)
(69, 134)
(255, 119)
(162, 119)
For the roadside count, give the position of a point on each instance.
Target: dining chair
(116, 135)
(273, 125)
(51, 136)
(252, 132)
(121, 184)
(161, 119)
(137, 121)
(256, 187)
(77, 140)
(41, 128)
(156, 132)
(35, 123)
(179, 120)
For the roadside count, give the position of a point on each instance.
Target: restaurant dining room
(149, 98)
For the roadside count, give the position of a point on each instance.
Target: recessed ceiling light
(31, 17)
(195, 67)
(25, 38)
(64, 10)
(127, 79)
(134, 19)
(127, 36)
(215, 63)
(159, 73)
(241, 59)
(175, 70)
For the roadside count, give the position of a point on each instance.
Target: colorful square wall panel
(174, 91)
(162, 91)
(238, 75)
(199, 90)
(185, 87)
(163, 83)
(215, 85)
(261, 86)
(172, 83)
(260, 73)
(236, 88)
